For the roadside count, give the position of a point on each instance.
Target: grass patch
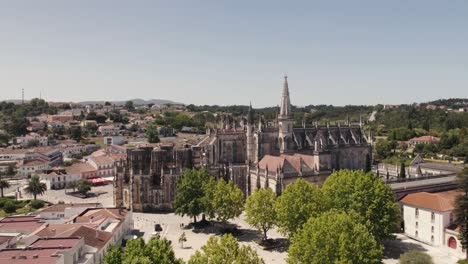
(20, 207)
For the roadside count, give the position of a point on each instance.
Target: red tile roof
(29, 256)
(442, 201)
(426, 138)
(67, 242)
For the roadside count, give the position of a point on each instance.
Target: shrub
(9, 207)
(37, 204)
(415, 257)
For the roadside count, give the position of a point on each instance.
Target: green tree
(228, 200)
(225, 251)
(9, 207)
(383, 149)
(83, 186)
(209, 188)
(461, 208)
(3, 184)
(35, 187)
(72, 185)
(370, 197)
(299, 201)
(129, 106)
(334, 237)
(76, 134)
(152, 134)
(260, 210)
(113, 256)
(11, 171)
(415, 257)
(190, 193)
(402, 170)
(159, 250)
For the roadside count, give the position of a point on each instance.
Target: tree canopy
(334, 237)
(225, 251)
(260, 210)
(228, 200)
(190, 193)
(157, 250)
(152, 134)
(35, 187)
(299, 201)
(367, 195)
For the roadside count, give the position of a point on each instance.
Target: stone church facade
(251, 154)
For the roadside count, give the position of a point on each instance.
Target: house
(99, 227)
(60, 213)
(82, 170)
(24, 225)
(49, 250)
(61, 118)
(88, 123)
(57, 178)
(428, 217)
(104, 166)
(114, 140)
(36, 126)
(32, 138)
(424, 140)
(30, 167)
(108, 130)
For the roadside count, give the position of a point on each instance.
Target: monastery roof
(34, 162)
(442, 201)
(294, 163)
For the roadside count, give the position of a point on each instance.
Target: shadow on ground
(394, 248)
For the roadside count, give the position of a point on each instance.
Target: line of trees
(345, 221)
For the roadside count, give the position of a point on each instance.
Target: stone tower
(285, 120)
(250, 136)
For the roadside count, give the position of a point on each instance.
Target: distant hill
(135, 102)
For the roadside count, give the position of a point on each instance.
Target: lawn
(9, 206)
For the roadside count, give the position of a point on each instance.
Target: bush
(463, 261)
(37, 204)
(415, 257)
(9, 207)
(3, 201)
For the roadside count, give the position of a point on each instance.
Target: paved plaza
(100, 194)
(172, 230)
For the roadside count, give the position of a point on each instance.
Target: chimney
(53, 232)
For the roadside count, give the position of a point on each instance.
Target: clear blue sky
(233, 52)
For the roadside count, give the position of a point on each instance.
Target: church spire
(285, 107)
(250, 114)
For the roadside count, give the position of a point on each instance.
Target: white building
(114, 140)
(32, 138)
(58, 179)
(428, 217)
(31, 167)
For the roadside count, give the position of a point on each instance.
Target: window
(417, 212)
(432, 238)
(416, 233)
(432, 229)
(432, 216)
(417, 224)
